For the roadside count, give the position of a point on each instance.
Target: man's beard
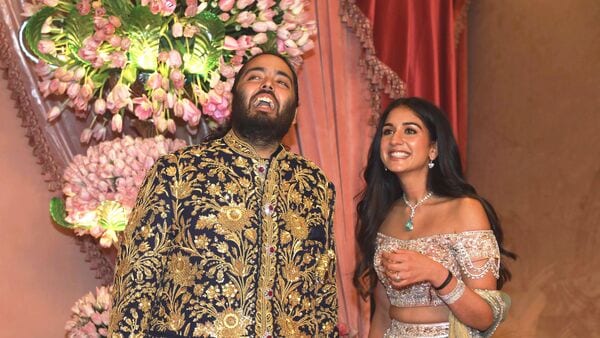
(258, 128)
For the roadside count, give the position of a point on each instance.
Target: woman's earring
(386, 169)
(430, 164)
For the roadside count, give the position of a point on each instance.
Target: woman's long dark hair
(383, 189)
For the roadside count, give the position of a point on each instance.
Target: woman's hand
(405, 267)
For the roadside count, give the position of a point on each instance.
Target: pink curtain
(333, 131)
(424, 42)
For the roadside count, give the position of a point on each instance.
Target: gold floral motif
(181, 189)
(231, 323)
(145, 304)
(175, 321)
(205, 222)
(198, 289)
(238, 267)
(285, 237)
(291, 272)
(181, 270)
(229, 290)
(296, 225)
(250, 234)
(171, 171)
(245, 183)
(212, 292)
(289, 327)
(213, 189)
(241, 162)
(233, 217)
(200, 242)
(294, 298)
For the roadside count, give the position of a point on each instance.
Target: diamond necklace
(409, 224)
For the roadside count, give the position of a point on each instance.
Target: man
(232, 238)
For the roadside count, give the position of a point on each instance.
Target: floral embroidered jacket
(222, 243)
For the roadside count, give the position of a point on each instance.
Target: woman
(430, 246)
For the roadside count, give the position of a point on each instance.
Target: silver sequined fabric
(405, 330)
(456, 252)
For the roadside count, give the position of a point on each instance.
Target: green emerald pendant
(409, 225)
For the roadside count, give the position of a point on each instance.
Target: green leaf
(118, 8)
(207, 44)
(144, 31)
(271, 45)
(130, 73)
(33, 34)
(76, 29)
(58, 213)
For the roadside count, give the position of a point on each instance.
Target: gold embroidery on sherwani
(223, 243)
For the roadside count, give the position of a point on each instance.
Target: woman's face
(405, 142)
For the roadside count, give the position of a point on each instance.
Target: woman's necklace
(409, 224)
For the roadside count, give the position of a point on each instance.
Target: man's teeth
(264, 100)
(399, 154)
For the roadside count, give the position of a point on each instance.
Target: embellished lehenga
(456, 252)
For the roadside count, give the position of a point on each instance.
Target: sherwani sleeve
(142, 255)
(327, 307)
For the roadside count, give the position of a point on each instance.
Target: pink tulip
(86, 135)
(191, 113)
(143, 110)
(226, 5)
(54, 113)
(154, 81)
(260, 38)
(245, 19)
(174, 60)
(177, 78)
(116, 123)
(241, 4)
(99, 106)
(177, 30)
(46, 47)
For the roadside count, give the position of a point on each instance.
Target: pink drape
(333, 131)
(424, 42)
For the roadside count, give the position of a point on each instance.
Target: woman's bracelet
(455, 294)
(445, 282)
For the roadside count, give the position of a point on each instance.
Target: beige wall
(534, 151)
(42, 270)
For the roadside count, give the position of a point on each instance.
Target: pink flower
(260, 38)
(245, 19)
(54, 113)
(143, 110)
(116, 123)
(191, 113)
(226, 5)
(241, 4)
(178, 78)
(264, 4)
(86, 135)
(177, 30)
(99, 106)
(46, 47)
(174, 60)
(154, 81)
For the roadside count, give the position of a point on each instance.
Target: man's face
(264, 103)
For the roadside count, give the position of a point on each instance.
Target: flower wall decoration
(90, 314)
(168, 62)
(101, 187)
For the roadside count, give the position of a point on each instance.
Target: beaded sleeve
(473, 246)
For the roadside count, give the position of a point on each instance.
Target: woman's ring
(396, 277)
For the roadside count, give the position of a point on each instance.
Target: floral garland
(159, 61)
(101, 187)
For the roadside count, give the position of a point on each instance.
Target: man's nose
(267, 85)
